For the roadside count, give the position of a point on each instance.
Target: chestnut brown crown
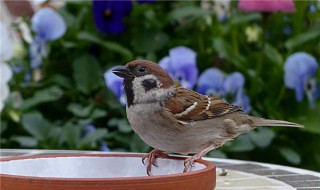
(139, 68)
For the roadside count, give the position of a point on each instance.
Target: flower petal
(114, 83)
(4, 93)
(211, 80)
(266, 5)
(6, 41)
(48, 24)
(113, 22)
(243, 100)
(181, 56)
(5, 73)
(165, 63)
(234, 82)
(299, 68)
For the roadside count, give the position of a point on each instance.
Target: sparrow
(173, 119)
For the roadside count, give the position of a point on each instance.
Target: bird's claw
(151, 159)
(189, 163)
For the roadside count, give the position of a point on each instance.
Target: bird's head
(145, 82)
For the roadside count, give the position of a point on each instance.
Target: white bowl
(101, 171)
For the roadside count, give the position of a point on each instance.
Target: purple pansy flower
(103, 146)
(181, 66)
(234, 85)
(211, 83)
(108, 15)
(115, 84)
(48, 26)
(234, 82)
(242, 100)
(300, 69)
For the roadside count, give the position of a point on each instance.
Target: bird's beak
(123, 72)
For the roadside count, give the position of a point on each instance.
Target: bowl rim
(209, 167)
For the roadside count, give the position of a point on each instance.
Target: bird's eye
(141, 69)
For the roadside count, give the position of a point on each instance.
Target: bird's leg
(188, 163)
(151, 159)
(230, 127)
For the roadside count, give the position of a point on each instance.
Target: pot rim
(209, 167)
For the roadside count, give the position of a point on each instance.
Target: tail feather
(271, 122)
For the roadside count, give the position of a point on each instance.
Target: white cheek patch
(156, 94)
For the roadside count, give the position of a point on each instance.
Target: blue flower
(211, 83)
(287, 30)
(48, 26)
(103, 146)
(234, 82)
(312, 8)
(300, 69)
(115, 84)
(181, 66)
(108, 15)
(242, 100)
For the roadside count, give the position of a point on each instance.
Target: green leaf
(302, 38)
(50, 94)
(241, 19)
(87, 73)
(98, 113)
(112, 46)
(225, 51)
(61, 80)
(309, 117)
(80, 110)
(273, 54)
(122, 125)
(217, 154)
(290, 155)
(36, 125)
(71, 135)
(92, 137)
(149, 41)
(137, 145)
(180, 13)
(262, 137)
(25, 141)
(241, 144)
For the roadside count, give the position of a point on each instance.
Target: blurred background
(57, 91)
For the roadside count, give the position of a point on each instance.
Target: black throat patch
(149, 84)
(129, 92)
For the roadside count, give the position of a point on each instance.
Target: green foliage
(53, 110)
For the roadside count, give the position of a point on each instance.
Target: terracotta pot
(102, 171)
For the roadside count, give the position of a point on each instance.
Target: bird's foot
(188, 163)
(150, 159)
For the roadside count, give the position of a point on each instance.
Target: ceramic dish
(102, 171)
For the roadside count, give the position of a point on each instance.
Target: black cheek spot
(149, 84)
(129, 91)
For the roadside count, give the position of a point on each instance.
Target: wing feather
(187, 105)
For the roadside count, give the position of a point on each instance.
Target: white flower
(25, 31)
(222, 9)
(253, 33)
(5, 71)
(5, 76)
(6, 43)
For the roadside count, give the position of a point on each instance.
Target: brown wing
(188, 105)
